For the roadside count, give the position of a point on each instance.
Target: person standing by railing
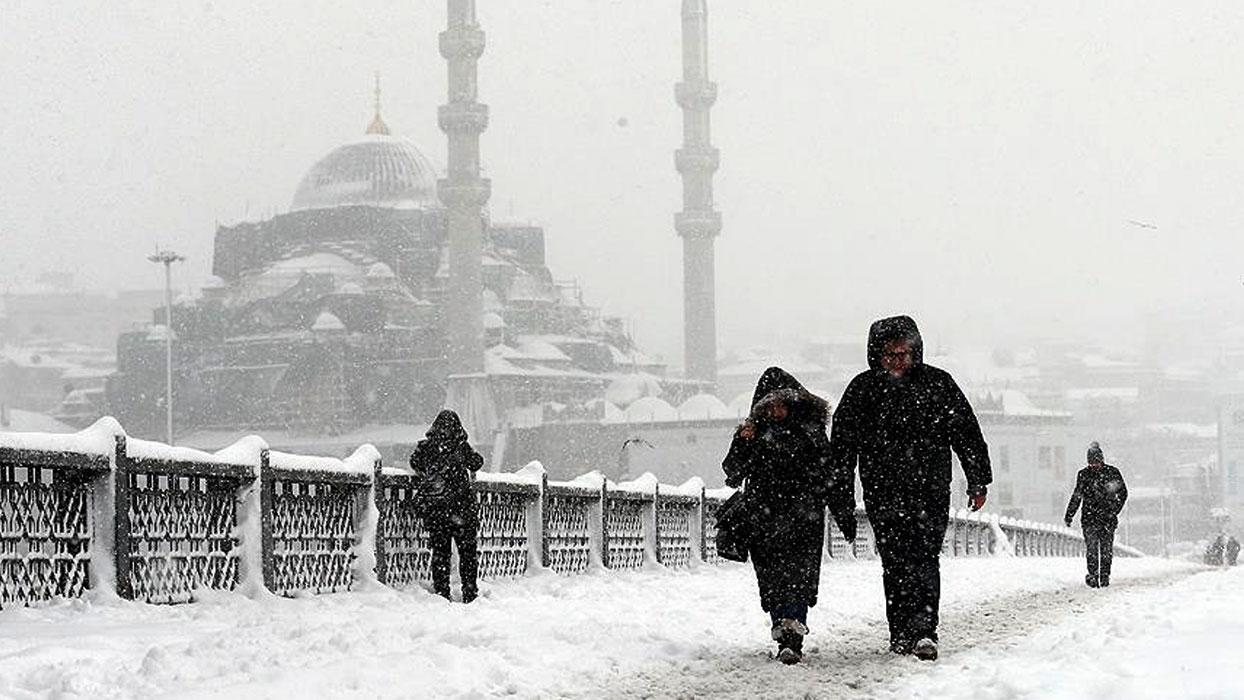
(1100, 487)
(444, 464)
(781, 452)
(900, 420)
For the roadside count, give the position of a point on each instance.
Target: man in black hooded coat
(1101, 489)
(782, 452)
(899, 421)
(444, 464)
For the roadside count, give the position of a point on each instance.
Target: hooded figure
(899, 421)
(444, 464)
(781, 451)
(1102, 491)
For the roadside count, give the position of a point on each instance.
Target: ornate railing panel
(45, 533)
(312, 535)
(624, 525)
(503, 542)
(567, 528)
(404, 539)
(675, 515)
(182, 529)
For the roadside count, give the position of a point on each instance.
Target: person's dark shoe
(789, 635)
(468, 596)
(1104, 582)
(789, 656)
(925, 649)
(901, 647)
(1090, 581)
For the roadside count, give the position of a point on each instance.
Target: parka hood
(776, 384)
(447, 429)
(887, 329)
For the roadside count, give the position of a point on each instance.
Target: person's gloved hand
(976, 502)
(1067, 522)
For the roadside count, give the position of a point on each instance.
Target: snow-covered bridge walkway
(1012, 628)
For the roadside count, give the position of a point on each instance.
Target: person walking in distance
(1101, 492)
(444, 464)
(781, 451)
(899, 421)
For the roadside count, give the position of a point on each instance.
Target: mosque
(387, 292)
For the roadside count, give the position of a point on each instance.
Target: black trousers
(910, 549)
(1099, 551)
(461, 531)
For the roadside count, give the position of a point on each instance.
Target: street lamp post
(167, 257)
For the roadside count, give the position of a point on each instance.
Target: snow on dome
(326, 321)
(380, 271)
(214, 282)
(350, 288)
(378, 170)
(628, 388)
(650, 409)
(704, 407)
(493, 321)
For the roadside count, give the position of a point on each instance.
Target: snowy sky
(986, 166)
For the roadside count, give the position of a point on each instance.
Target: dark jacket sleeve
(967, 440)
(738, 462)
(472, 460)
(418, 459)
(843, 455)
(1077, 495)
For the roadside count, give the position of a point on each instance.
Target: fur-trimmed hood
(777, 385)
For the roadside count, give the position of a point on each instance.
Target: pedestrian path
(652, 633)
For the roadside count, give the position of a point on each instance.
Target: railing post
(121, 497)
(267, 501)
(604, 522)
(652, 523)
(700, 517)
(542, 520)
(382, 559)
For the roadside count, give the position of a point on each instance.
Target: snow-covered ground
(1012, 628)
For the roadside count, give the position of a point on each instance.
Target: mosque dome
(378, 170)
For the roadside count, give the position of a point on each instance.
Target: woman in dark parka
(782, 452)
(444, 463)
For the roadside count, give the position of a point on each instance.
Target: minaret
(463, 191)
(697, 223)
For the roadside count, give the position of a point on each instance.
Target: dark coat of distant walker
(901, 433)
(443, 463)
(788, 486)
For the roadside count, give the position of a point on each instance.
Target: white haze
(999, 169)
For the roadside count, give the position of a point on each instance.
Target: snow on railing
(150, 522)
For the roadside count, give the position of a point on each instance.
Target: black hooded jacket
(444, 463)
(901, 431)
(785, 464)
(1103, 493)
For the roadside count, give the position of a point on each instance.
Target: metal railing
(157, 524)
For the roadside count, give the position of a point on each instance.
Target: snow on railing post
(267, 501)
(103, 568)
(250, 536)
(382, 557)
(121, 521)
(366, 523)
